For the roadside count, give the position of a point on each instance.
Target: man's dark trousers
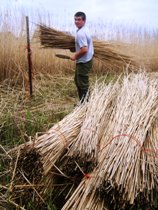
(82, 78)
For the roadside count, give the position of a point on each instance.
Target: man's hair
(81, 14)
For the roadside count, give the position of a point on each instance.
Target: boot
(79, 93)
(83, 94)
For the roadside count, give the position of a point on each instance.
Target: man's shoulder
(83, 31)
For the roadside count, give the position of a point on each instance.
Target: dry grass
(48, 91)
(14, 66)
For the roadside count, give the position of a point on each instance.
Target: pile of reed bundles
(106, 52)
(115, 133)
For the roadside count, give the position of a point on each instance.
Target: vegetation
(54, 92)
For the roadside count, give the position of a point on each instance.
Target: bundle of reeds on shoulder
(104, 51)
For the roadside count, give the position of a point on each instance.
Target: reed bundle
(125, 166)
(83, 200)
(97, 115)
(126, 171)
(88, 193)
(106, 52)
(57, 140)
(28, 178)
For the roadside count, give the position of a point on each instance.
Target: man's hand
(73, 58)
(79, 54)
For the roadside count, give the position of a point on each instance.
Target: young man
(83, 55)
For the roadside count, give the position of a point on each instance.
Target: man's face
(79, 22)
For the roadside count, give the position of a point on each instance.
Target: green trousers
(82, 78)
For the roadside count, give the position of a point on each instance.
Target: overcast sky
(142, 12)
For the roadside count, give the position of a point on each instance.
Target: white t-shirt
(84, 39)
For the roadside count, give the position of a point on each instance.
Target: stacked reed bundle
(52, 145)
(148, 162)
(126, 129)
(82, 155)
(86, 195)
(27, 178)
(106, 52)
(83, 200)
(123, 159)
(127, 166)
(97, 115)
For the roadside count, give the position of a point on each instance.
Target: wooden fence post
(29, 56)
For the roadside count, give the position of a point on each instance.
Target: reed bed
(106, 52)
(14, 64)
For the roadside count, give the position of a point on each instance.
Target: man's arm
(80, 53)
